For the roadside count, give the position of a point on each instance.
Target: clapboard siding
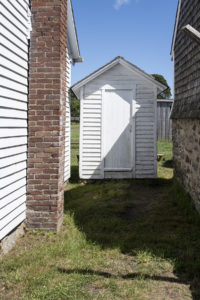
(90, 150)
(13, 113)
(145, 133)
(125, 84)
(68, 120)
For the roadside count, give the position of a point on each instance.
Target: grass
(74, 152)
(165, 166)
(123, 239)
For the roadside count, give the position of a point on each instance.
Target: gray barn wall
(186, 110)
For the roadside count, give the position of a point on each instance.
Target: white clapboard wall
(92, 127)
(90, 132)
(14, 30)
(67, 172)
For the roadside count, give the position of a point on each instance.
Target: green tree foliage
(167, 93)
(75, 105)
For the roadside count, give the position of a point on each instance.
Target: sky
(139, 30)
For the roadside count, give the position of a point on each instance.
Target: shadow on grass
(156, 216)
(127, 276)
(168, 164)
(74, 175)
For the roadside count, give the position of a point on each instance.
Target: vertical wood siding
(13, 113)
(92, 128)
(67, 172)
(164, 124)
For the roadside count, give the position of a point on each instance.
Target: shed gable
(133, 71)
(117, 77)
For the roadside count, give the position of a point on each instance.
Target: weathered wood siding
(13, 113)
(92, 127)
(67, 171)
(145, 132)
(186, 64)
(164, 123)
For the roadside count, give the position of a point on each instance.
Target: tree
(75, 105)
(167, 93)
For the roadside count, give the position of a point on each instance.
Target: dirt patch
(144, 199)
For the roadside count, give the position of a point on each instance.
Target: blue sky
(139, 30)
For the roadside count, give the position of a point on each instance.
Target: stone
(186, 156)
(10, 240)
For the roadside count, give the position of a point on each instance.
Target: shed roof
(118, 60)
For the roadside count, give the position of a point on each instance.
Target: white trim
(29, 29)
(175, 29)
(145, 75)
(81, 132)
(102, 132)
(72, 34)
(133, 116)
(192, 32)
(123, 62)
(155, 133)
(93, 76)
(170, 116)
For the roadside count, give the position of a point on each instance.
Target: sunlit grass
(165, 166)
(121, 239)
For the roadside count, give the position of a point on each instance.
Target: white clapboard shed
(15, 27)
(118, 122)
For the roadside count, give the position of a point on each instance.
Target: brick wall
(47, 97)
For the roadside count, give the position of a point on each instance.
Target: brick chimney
(46, 120)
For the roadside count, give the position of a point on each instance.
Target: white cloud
(119, 3)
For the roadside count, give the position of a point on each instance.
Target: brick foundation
(186, 141)
(47, 99)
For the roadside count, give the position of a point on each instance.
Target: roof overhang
(175, 28)
(118, 60)
(72, 34)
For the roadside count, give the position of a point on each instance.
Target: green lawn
(165, 166)
(74, 152)
(121, 239)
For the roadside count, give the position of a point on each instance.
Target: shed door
(117, 130)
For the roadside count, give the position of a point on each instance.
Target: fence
(75, 119)
(164, 124)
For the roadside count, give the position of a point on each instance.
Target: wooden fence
(75, 119)
(164, 124)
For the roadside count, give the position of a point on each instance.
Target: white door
(117, 130)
